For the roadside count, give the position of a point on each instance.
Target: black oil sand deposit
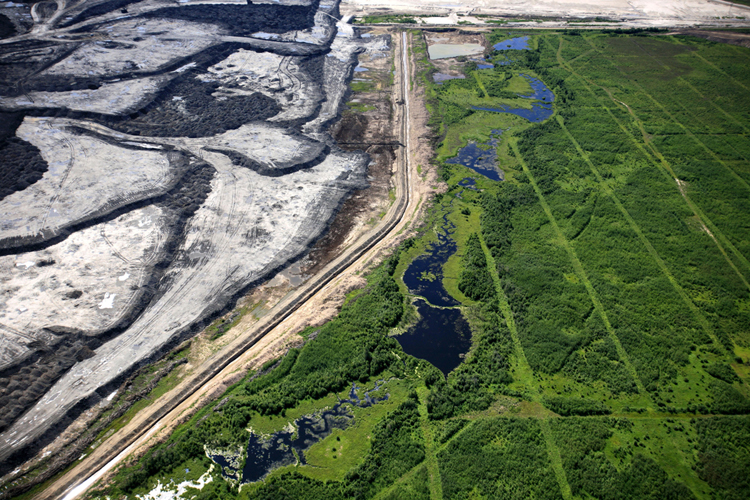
(22, 384)
(184, 107)
(7, 29)
(21, 165)
(276, 169)
(287, 447)
(245, 19)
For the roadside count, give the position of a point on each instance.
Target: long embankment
(151, 419)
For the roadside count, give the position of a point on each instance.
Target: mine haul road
(183, 398)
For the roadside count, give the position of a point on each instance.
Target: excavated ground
(555, 13)
(179, 156)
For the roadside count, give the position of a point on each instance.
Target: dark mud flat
(371, 133)
(287, 447)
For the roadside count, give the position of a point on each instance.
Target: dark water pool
(286, 447)
(468, 183)
(519, 43)
(442, 77)
(485, 66)
(441, 336)
(424, 276)
(481, 158)
(539, 90)
(539, 111)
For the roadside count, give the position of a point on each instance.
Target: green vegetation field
(606, 280)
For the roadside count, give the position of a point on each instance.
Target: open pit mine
(158, 158)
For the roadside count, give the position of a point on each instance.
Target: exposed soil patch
(730, 37)
(364, 126)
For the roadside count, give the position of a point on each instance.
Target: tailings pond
(441, 336)
(287, 446)
(445, 50)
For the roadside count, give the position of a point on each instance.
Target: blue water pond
(424, 276)
(519, 43)
(286, 447)
(481, 158)
(539, 111)
(441, 336)
(539, 90)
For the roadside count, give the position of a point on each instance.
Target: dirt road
(270, 333)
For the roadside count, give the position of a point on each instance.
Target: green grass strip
(636, 228)
(431, 461)
(623, 355)
(526, 374)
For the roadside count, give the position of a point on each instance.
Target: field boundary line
(522, 364)
(578, 266)
(666, 169)
(681, 79)
(434, 479)
(710, 228)
(717, 69)
(734, 174)
(654, 254)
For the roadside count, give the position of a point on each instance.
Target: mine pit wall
(26, 453)
(36, 359)
(75, 346)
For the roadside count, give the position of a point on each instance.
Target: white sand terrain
(641, 12)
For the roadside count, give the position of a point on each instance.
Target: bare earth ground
(732, 38)
(638, 13)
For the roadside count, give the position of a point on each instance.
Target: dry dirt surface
(181, 155)
(732, 38)
(638, 13)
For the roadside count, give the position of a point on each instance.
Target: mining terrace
(159, 161)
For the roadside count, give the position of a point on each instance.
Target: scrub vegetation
(606, 281)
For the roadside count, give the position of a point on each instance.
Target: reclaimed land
(605, 279)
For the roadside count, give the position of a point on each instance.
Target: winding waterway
(288, 446)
